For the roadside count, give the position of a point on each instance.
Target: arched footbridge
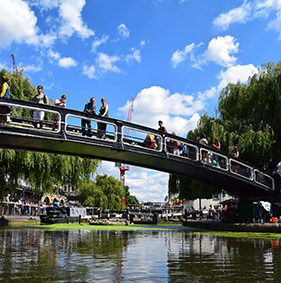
(232, 174)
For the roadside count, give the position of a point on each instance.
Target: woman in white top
(60, 103)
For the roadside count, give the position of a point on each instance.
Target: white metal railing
(214, 159)
(264, 179)
(27, 121)
(136, 137)
(181, 149)
(141, 138)
(73, 126)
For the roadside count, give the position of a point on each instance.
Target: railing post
(119, 140)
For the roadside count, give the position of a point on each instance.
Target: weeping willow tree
(41, 170)
(249, 117)
(107, 192)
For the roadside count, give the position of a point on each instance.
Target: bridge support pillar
(245, 210)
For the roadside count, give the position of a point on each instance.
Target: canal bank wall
(234, 227)
(6, 220)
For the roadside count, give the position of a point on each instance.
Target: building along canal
(73, 253)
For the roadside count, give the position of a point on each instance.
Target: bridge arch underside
(101, 149)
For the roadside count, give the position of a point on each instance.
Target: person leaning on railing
(60, 103)
(104, 113)
(234, 153)
(150, 141)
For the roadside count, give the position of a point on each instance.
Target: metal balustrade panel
(27, 122)
(214, 159)
(240, 169)
(74, 128)
(185, 150)
(264, 179)
(135, 137)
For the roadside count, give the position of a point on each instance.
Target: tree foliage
(107, 192)
(41, 170)
(248, 117)
(131, 200)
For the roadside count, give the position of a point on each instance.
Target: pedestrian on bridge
(103, 113)
(203, 141)
(40, 98)
(90, 109)
(5, 93)
(60, 103)
(217, 146)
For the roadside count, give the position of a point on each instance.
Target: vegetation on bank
(248, 116)
(164, 227)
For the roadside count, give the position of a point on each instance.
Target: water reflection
(141, 256)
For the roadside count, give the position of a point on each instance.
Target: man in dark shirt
(90, 109)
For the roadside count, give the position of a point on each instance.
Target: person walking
(103, 113)
(40, 98)
(90, 109)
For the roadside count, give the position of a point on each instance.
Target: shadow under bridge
(76, 133)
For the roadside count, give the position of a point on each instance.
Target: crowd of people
(20, 203)
(214, 212)
(178, 148)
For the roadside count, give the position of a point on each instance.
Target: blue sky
(173, 56)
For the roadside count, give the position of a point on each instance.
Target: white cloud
(236, 73)
(67, 62)
(233, 74)
(276, 23)
(47, 40)
(135, 56)
(99, 42)
(44, 4)
(236, 15)
(249, 11)
(32, 68)
(90, 71)
(145, 184)
(178, 111)
(180, 56)
(220, 51)
(107, 62)
(123, 31)
(17, 23)
(136, 53)
(70, 12)
(54, 55)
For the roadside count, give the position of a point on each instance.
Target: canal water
(176, 255)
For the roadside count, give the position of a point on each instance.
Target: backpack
(7, 94)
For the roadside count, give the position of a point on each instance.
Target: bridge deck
(249, 182)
